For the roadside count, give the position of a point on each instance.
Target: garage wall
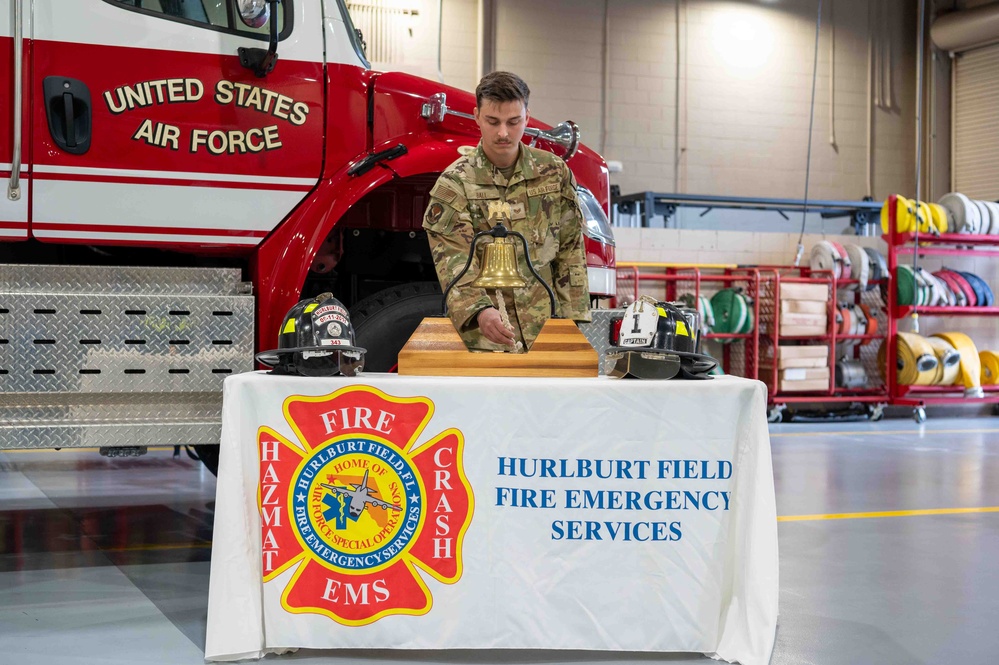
(743, 94)
(733, 117)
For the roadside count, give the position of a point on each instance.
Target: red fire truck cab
(181, 172)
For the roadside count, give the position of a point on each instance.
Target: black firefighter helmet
(316, 339)
(658, 340)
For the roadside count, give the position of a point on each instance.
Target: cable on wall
(919, 145)
(832, 75)
(811, 121)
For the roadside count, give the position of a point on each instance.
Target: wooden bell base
(436, 349)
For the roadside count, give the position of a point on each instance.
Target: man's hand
(493, 328)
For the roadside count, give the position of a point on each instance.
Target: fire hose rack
(923, 229)
(827, 333)
(847, 350)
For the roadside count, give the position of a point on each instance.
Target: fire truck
(178, 174)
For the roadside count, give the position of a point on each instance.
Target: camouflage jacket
(545, 209)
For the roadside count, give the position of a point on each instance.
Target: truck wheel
(209, 456)
(384, 321)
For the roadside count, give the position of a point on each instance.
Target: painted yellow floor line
(774, 435)
(888, 513)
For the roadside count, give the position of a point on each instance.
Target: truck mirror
(360, 40)
(254, 13)
(257, 59)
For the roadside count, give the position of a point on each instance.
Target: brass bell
(499, 267)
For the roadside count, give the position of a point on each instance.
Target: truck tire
(384, 321)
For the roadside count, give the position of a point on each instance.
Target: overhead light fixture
(743, 37)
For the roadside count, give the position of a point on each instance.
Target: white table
(675, 550)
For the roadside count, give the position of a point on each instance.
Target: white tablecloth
(607, 514)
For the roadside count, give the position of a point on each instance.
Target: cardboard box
(809, 351)
(786, 363)
(803, 307)
(797, 291)
(802, 331)
(800, 386)
(805, 374)
(803, 319)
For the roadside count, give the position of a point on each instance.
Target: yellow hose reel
(990, 367)
(929, 217)
(971, 365)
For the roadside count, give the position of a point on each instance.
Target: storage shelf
(947, 389)
(929, 399)
(946, 251)
(853, 337)
(903, 311)
(942, 239)
(843, 283)
(838, 397)
(805, 338)
(946, 244)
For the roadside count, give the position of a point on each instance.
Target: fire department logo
(358, 506)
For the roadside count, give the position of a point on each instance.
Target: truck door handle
(68, 110)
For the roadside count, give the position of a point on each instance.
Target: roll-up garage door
(976, 123)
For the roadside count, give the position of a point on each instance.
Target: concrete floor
(889, 536)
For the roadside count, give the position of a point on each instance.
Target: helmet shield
(658, 340)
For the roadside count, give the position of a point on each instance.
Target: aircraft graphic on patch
(359, 497)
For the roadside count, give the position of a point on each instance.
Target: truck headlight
(597, 226)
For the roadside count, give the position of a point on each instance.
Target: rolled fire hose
(844, 258)
(985, 226)
(909, 215)
(994, 213)
(901, 215)
(949, 361)
(971, 365)
(956, 296)
(731, 312)
(983, 293)
(941, 217)
(924, 217)
(917, 363)
(990, 367)
(965, 216)
(845, 320)
(872, 323)
(706, 313)
(905, 283)
(825, 256)
(861, 266)
(880, 272)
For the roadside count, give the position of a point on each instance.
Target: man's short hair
(502, 87)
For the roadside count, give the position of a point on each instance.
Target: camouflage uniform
(545, 209)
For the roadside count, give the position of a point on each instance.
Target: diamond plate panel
(84, 421)
(112, 356)
(97, 436)
(119, 343)
(121, 279)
